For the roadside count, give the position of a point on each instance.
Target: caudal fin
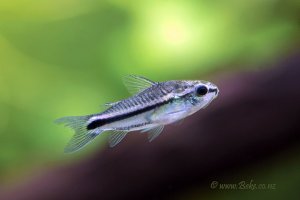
(82, 136)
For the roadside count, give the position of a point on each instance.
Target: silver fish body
(152, 107)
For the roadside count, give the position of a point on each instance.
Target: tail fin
(82, 136)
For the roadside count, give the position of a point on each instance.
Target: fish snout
(215, 90)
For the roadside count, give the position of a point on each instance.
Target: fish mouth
(215, 90)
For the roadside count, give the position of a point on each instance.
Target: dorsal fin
(136, 84)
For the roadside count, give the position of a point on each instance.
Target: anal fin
(116, 137)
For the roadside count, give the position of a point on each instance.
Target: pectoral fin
(153, 132)
(179, 122)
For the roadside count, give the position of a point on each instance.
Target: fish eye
(201, 90)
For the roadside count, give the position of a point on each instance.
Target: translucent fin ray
(116, 137)
(82, 136)
(136, 84)
(179, 122)
(153, 132)
(109, 104)
(76, 144)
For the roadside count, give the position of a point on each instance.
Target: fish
(152, 106)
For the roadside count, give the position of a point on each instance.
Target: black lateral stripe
(101, 122)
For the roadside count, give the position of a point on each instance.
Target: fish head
(199, 93)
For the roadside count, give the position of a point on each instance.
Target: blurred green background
(67, 57)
